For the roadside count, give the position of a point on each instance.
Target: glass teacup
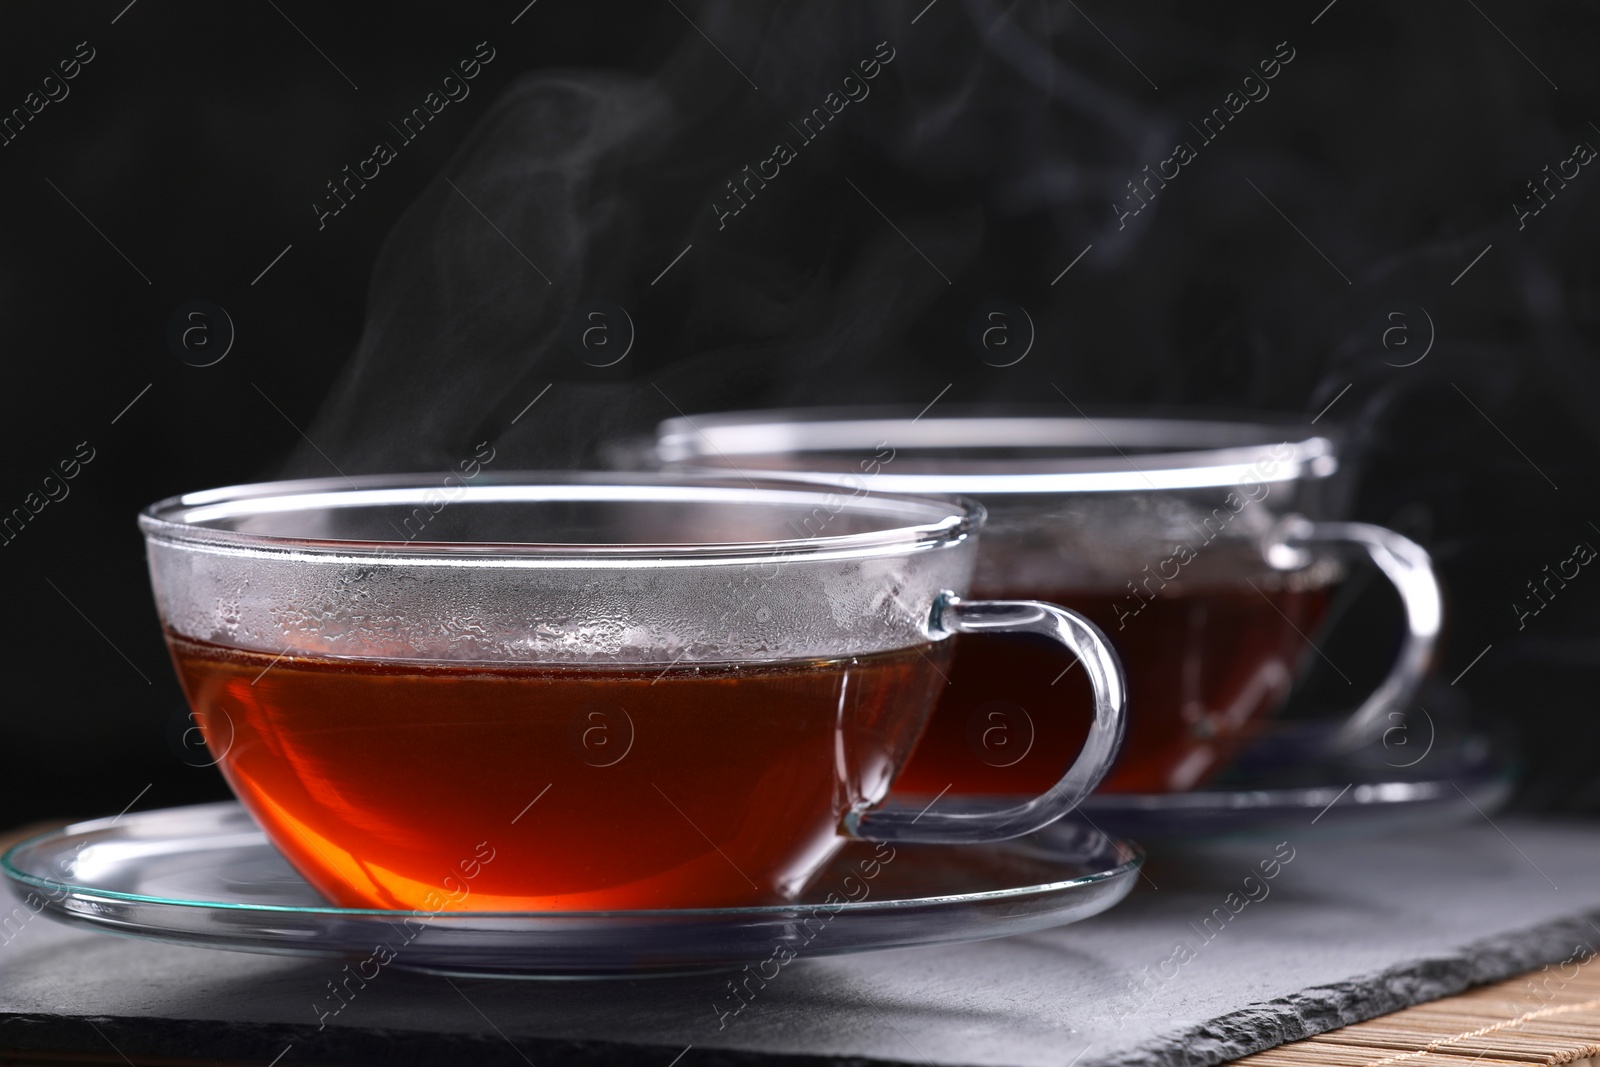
(1201, 547)
(569, 692)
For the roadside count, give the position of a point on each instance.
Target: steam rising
(997, 147)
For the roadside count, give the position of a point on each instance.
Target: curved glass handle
(902, 823)
(1409, 567)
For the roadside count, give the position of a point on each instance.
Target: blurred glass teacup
(1203, 548)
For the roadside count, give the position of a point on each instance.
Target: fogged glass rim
(911, 522)
(1174, 453)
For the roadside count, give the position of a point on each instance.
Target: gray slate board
(1347, 930)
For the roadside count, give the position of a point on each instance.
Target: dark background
(192, 147)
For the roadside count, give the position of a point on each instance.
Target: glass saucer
(1432, 772)
(207, 876)
(1292, 783)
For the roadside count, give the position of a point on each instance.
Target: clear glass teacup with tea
(584, 692)
(1206, 549)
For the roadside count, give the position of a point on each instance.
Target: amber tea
(1203, 667)
(387, 783)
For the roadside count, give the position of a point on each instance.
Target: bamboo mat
(1549, 1016)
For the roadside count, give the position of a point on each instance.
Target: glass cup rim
(1213, 451)
(930, 519)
